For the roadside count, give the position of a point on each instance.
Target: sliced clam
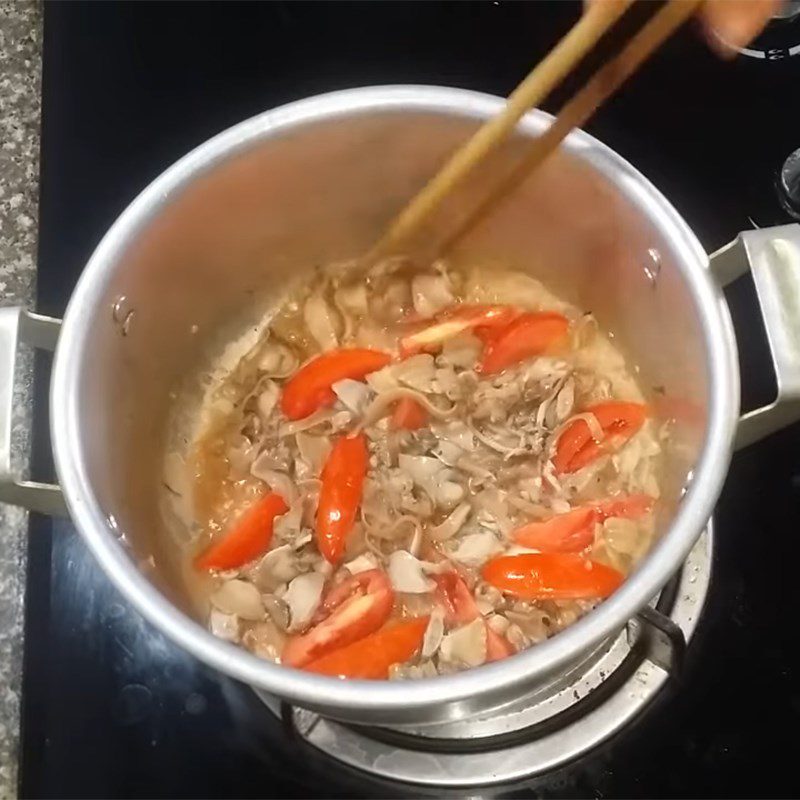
(265, 640)
(267, 400)
(277, 360)
(322, 321)
(240, 598)
(279, 482)
(451, 525)
(313, 449)
(430, 294)
(223, 626)
(355, 395)
(303, 597)
(361, 563)
(277, 609)
(434, 633)
(465, 645)
(407, 575)
(475, 548)
(278, 566)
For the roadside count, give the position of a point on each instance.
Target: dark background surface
(110, 708)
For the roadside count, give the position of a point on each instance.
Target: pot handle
(773, 257)
(19, 326)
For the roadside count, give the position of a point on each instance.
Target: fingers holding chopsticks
(730, 24)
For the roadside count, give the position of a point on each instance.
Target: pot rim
(98, 529)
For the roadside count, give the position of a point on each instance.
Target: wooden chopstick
(547, 74)
(600, 87)
(539, 83)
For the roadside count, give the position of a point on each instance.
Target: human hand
(730, 24)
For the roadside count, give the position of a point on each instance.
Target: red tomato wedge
(247, 538)
(460, 608)
(310, 387)
(453, 321)
(618, 420)
(563, 533)
(574, 531)
(528, 335)
(551, 576)
(497, 646)
(455, 598)
(342, 483)
(371, 657)
(354, 609)
(408, 415)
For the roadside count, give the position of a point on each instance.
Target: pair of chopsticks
(581, 38)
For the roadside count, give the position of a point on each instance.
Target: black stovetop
(112, 709)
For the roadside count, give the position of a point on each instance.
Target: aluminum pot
(225, 227)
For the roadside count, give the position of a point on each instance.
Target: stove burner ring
(500, 741)
(537, 733)
(482, 744)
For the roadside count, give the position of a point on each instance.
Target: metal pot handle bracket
(773, 257)
(18, 326)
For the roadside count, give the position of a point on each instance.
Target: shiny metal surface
(773, 257)
(228, 226)
(789, 184)
(626, 692)
(787, 10)
(20, 327)
(663, 639)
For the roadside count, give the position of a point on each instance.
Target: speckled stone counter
(20, 72)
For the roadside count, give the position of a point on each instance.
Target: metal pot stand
(540, 732)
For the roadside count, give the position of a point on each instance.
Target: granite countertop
(20, 74)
